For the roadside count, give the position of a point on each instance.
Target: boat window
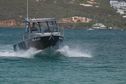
(48, 26)
(56, 26)
(34, 27)
(53, 26)
(43, 27)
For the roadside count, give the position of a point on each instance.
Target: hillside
(100, 11)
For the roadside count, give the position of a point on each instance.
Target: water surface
(87, 57)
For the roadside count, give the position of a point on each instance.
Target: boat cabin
(41, 25)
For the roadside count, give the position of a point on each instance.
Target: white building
(120, 6)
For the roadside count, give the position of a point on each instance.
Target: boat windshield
(41, 27)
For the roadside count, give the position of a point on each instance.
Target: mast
(27, 9)
(27, 19)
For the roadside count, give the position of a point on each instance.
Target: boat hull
(39, 43)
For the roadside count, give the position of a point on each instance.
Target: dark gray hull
(39, 43)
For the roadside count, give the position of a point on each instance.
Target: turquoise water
(87, 57)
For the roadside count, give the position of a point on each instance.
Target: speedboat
(40, 33)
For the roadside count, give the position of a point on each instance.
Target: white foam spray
(7, 51)
(70, 52)
(22, 54)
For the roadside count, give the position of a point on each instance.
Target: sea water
(87, 57)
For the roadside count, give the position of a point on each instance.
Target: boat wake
(31, 53)
(22, 54)
(69, 52)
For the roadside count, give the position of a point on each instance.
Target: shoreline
(72, 28)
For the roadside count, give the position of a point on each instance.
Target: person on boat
(33, 28)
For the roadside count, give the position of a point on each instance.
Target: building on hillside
(76, 19)
(8, 23)
(119, 5)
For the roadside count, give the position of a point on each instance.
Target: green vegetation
(60, 9)
(78, 25)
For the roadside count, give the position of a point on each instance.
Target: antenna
(26, 23)
(27, 9)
